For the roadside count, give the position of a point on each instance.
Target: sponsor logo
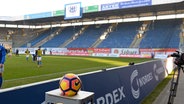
(135, 92)
(157, 71)
(116, 51)
(77, 83)
(129, 52)
(110, 6)
(72, 9)
(112, 98)
(138, 81)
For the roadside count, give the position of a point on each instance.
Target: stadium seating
(40, 37)
(64, 35)
(122, 36)
(90, 35)
(22, 36)
(162, 34)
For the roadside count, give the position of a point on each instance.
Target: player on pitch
(39, 56)
(2, 60)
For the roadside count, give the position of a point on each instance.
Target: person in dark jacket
(2, 60)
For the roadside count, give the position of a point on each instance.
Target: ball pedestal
(55, 97)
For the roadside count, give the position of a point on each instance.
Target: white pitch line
(10, 80)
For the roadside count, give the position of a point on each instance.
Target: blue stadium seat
(40, 37)
(122, 36)
(162, 34)
(90, 35)
(65, 34)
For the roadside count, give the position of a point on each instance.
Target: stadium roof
(173, 8)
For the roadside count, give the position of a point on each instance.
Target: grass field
(18, 71)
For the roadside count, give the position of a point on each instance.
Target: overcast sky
(22, 7)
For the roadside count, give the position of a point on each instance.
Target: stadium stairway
(34, 35)
(141, 32)
(20, 38)
(49, 37)
(122, 36)
(62, 37)
(89, 36)
(104, 35)
(75, 36)
(162, 34)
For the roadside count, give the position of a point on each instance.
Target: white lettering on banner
(100, 100)
(109, 98)
(112, 98)
(160, 70)
(115, 93)
(157, 71)
(129, 51)
(110, 6)
(140, 82)
(145, 79)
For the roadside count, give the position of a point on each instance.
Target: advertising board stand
(55, 97)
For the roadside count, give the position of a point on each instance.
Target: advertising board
(120, 85)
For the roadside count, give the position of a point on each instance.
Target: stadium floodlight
(32, 27)
(89, 23)
(115, 20)
(37, 27)
(11, 25)
(172, 16)
(66, 24)
(56, 25)
(77, 24)
(130, 19)
(119, 20)
(2, 25)
(101, 21)
(23, 26)
(179, 15)
(20, 26)
(147, 18)
(46, 26)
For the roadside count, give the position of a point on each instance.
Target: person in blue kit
(2, 60)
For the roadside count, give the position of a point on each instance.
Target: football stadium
(90, 52)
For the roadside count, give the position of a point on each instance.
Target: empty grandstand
(160, 34)
(62, 36)
(122, 35)
(88, 37)
(96, 29)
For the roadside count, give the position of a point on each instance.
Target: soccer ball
(70, 84)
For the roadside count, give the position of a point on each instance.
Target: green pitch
(18, 71)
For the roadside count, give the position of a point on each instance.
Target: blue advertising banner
(125, 4)
(29, 95)
(107, 86)
(110, 6)
(125, 85)
(38, 15)
(135, 3)
(120, 85)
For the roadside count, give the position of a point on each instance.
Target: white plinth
(55, 97)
